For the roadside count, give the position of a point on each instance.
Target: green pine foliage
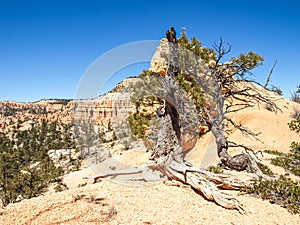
(291, 160)
(145, 73)
(139, 122)
(216, 169)
(195, 47)
(26, 169)
(294, 125)
(273, 152)
(192, 88)
(265, 169)
(247, 62)
(282, 191)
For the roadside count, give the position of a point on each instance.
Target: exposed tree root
(111, 173)
(206, 183)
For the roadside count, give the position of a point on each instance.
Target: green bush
(139, 122)
(273, 152)
(26, 169)
(290, 161)
(216, 169)
(282, 191)
(294, 125)
(60, 187)
(265, 169)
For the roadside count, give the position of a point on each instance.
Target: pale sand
(161, 204)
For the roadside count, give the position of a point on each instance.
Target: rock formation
(159, 63)
(102, 110)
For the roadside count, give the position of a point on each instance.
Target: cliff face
(21, 115)
(158, 63)
(106, 107)
(110, 107)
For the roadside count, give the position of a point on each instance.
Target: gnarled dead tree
(236, 93)
(226, 91)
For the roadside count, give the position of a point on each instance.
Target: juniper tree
(199, 89)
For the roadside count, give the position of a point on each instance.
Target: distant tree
(26, 169)
(296, 95)
(276, 90)
(8, 175)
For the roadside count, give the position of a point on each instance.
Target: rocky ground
(111, 203)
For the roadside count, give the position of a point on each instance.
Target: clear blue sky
(46, 46)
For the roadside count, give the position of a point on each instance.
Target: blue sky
(46, 46)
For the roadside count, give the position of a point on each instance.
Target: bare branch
(235, 145)
(221, 50)
(116, 173)
(244, 130)
(269, 76)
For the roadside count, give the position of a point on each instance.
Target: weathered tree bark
(215, 119)
(167, 156)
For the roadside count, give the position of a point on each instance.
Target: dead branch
(232, 144)
(244, 130)
(106, 174)
(269, 76)
(221, 50)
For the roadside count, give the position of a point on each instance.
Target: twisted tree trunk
(167, 156)
(239, 162)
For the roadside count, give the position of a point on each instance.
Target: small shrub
(276, 90)
(112, 168)
(82, 185)
(265, 169)
(295, 97)
(112, 212)
(269, 107)
(290, 161)
(216, 169)
(273, 152)
(139, 122)
(294, 125)
(282, 191)
(145, 73)
(112, 144)
(60, 187)
(76, 164)
(77, 150)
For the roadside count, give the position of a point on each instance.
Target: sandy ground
(110, 203)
